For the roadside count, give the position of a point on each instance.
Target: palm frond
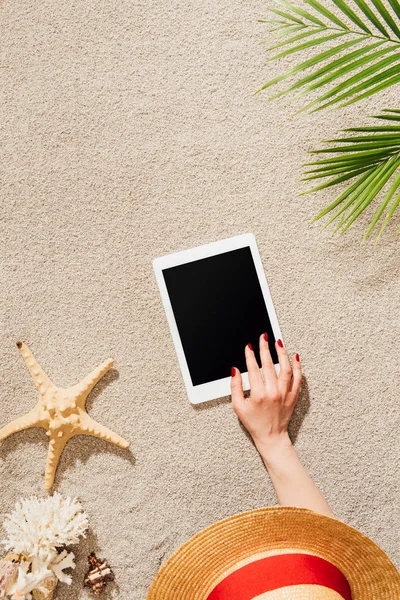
(372, 160)
(371, 67)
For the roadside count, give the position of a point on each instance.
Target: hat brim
(196, 568)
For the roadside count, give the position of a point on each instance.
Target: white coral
(37, 527)
(63, 561)
(26, 582)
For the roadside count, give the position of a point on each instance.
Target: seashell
(8, 575)
(46, 589)
(99, 574)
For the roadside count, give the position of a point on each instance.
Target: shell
(46, 589)
(16, 557)
(8, 576)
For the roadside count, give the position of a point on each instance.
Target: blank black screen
(219, 308)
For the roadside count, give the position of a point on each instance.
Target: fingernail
(297, 357)
(280, 343)
(265, 336)
(250, 346)
(233, 371)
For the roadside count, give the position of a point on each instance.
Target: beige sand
(130, 131)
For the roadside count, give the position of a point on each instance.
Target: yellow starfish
(61, 412)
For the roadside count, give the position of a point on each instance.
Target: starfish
(61, 412)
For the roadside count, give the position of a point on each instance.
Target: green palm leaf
(343, 78)
(372, 161)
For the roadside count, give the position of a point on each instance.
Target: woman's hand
(267, 411)
(266, 414)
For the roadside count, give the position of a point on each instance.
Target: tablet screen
(219, 308)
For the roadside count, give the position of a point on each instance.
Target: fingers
(268, 369)
(289, 378)
(255, 378)
(285, 373)
(236, 389)
(296, 380)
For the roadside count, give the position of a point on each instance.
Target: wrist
(274, 448)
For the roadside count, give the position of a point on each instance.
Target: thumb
(236, 389)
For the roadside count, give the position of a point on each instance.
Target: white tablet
(217, 300)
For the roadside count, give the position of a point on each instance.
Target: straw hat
(278, 553)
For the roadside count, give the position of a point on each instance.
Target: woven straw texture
(209, 556)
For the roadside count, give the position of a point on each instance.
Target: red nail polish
(297, 357)
(250, 346)
(265, 336)
(233, 371)
(280, 343)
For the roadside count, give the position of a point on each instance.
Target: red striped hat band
(274, 572)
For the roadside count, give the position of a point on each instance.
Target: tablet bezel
(220, 387)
